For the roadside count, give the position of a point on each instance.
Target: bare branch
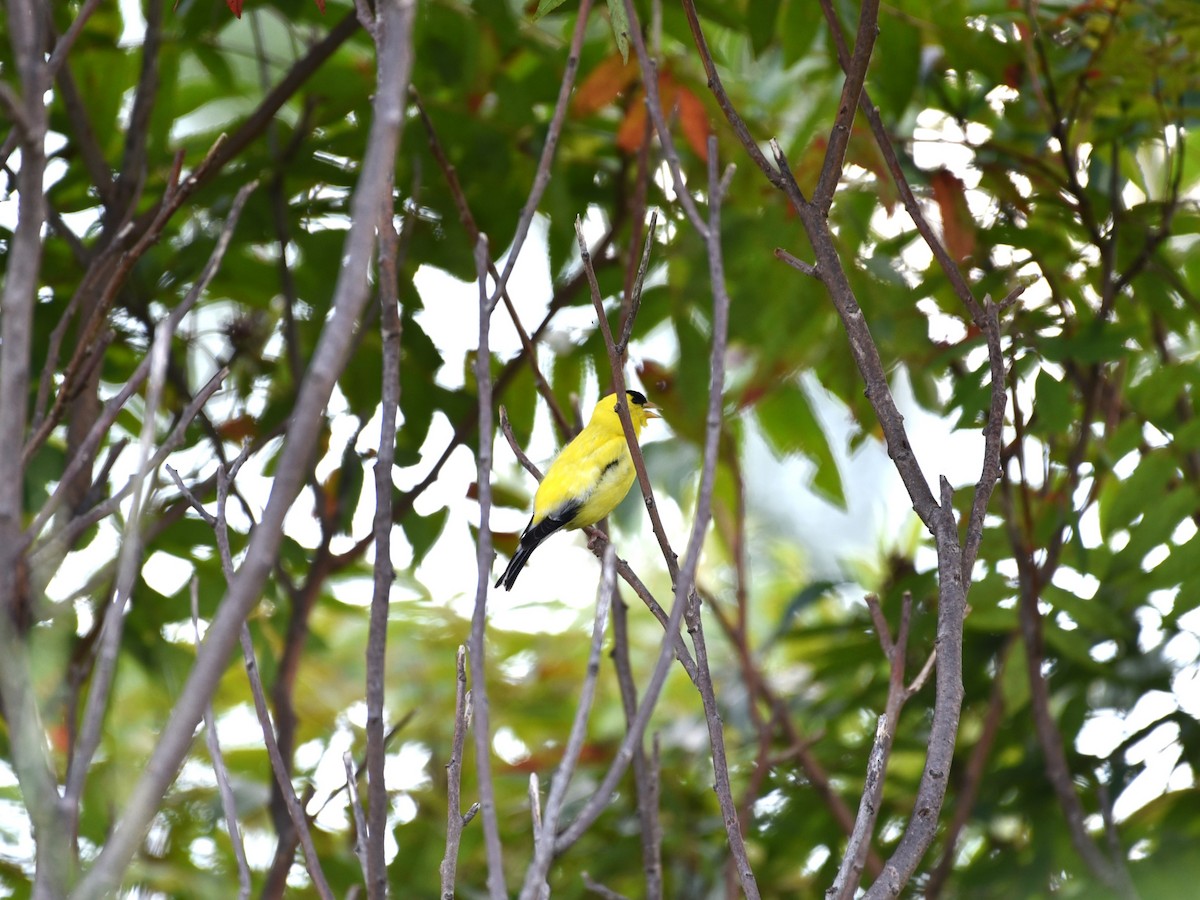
(923, 675)
(132, 175)
(684, 580)
(385, 573)
(993, 431)
(852, 90)
(968, 791)
(522, 457)
(634, 732)
(483, 559)
(797, 263)
(46, 555)
(618, 382)
(88, 349)
(28, 746)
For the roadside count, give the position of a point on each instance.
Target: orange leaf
(693, 121)
(603, 85)
(238, 429)
(235, 7)
(863, 151)
(632, 132)
(958, 228)
(668, 91)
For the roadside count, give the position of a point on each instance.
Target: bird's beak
(652, 411)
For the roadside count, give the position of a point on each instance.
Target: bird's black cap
(637, 397)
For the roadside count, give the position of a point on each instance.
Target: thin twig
(360, 819)
(600, 890)
(535, 814)
(644, 775)
(852, 89)
(129, 563)
(87, 449)
(543, 854)
(894, 650)
(48, 553)
(633, 735)
(911, 205)
(799, 747)
(212, 741)
(279, 769)
(654, 105)
(716, 394)
(541, 176)
(384, 573)
(635, 297)
(618, 383)
(88, 346)
(455, 820)
(796, 263)
(528, 351)
(1110, 872)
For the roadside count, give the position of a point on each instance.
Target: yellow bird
(586, 481)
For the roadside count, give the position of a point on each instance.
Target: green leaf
(1014, 681)
(620, 26)
(896, 62)
(761, 16)
(423, 531)
(546, 6)
(802, 600)
(1121, 502)
(790, 426)
(1053, 404)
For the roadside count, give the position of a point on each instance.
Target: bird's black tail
(530, 539)
(516, 564)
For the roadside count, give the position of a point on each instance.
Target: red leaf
(235, 7)
(632, 132)
(603, 85)
(693, 122)
(321, 6)
(958, 228)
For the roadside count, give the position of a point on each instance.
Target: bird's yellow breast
(593, 473)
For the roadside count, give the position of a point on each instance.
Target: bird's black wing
(531, 537)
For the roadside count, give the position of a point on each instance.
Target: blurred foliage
(1052, 142)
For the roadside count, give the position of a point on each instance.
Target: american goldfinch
(586, 481)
